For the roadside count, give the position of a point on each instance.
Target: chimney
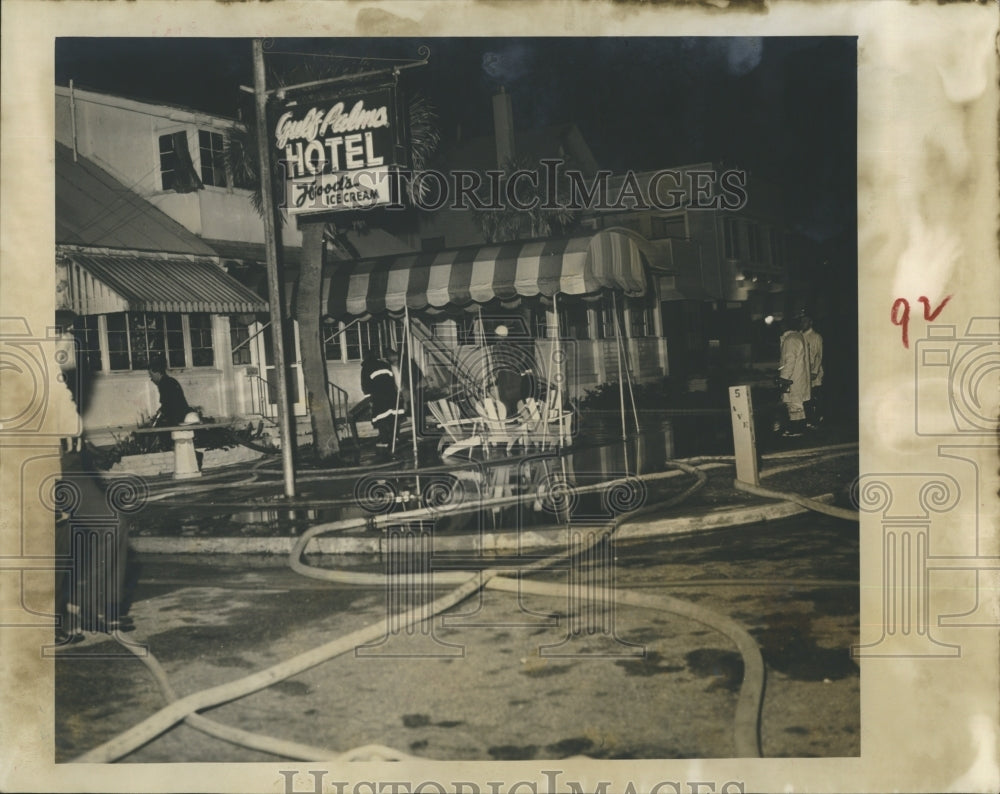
(503, 127)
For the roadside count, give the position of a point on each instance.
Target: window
(574, 320)
(471, 332)
(239, 342)
(353, 341)
(88, 341)
(605, 322)
(200, 327)
(445, 331)
(146, 339)
(730, 233)
(640, 315)
(540, 322)
(168, 161)
(176, 169)
(118, 357)
(175, 340)
(213, 160)
(335, 342)
(606, 327)
(393, 330)
(332, 342)
(134, 338)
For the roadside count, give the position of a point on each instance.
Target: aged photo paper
(928, 371)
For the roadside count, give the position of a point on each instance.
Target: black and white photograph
(552, 317)
(557, 400)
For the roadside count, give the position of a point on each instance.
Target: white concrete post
(185, 458)
(744, 438)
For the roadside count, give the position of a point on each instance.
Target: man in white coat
(814, 348)
(795, 380)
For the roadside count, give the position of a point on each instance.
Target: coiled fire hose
(747, 718)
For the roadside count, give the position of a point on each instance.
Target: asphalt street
(501, 675)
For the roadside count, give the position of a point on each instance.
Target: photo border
(927, 212)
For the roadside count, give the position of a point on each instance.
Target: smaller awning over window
(105, 283)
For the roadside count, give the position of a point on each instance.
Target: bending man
(174, 408)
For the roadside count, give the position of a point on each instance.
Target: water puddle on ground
(550, 487)
(788, 646)
(724, 668)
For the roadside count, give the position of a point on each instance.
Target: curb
(716, 519)
(485, 542)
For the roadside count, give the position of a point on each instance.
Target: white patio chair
(543, 420)
(497, 428)
(459, 433)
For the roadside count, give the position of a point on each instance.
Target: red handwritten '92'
(900, 314)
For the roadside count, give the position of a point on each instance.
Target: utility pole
(274, 285)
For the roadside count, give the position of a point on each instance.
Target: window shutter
(186, 179)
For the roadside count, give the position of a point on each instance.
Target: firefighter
(379, 383)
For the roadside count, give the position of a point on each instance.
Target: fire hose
(747, 717)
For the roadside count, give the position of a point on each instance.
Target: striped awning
(106, 283)
(611, 259)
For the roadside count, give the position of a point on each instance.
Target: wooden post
(744, 438)
(273, 279)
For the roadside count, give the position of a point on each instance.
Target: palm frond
(509, 223)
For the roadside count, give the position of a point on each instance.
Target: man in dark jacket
(173, 404)
(379, 383)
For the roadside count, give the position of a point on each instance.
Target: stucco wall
(123, 398)
(122, 137)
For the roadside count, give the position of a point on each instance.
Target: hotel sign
(339, 153)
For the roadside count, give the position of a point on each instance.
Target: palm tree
(510, 223)
(241, 155)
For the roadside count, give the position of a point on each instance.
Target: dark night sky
(784, 106)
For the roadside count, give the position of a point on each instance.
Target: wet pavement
(502, 676)
(499, 676)
(248, 501)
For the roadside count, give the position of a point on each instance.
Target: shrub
(222, 437)
(655, 395)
